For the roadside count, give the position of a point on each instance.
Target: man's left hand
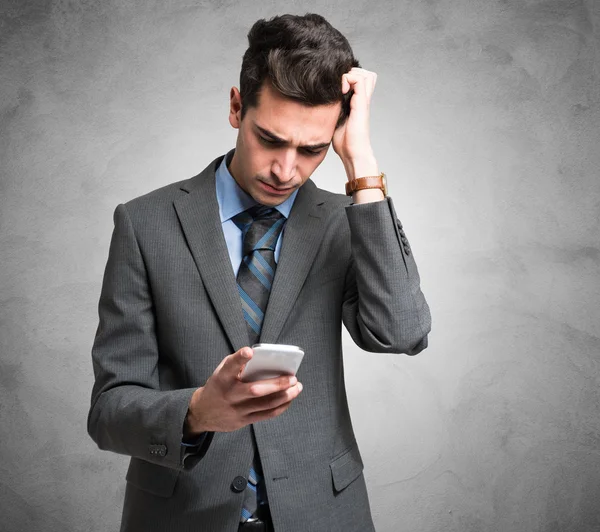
(351, 141)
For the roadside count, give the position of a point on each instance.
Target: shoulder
(332, 209)
(334, 204)
(156, 198)
(334, 199)
(159, 202)
(151, 214)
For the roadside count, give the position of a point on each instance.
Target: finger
(356, 75)
(361, 85)
(270, 402)
(274, 400)
(270, 386)
(371, 82)
(354, 72)
(233, 364)
(349, 79)
(266, 414)
(345, 85)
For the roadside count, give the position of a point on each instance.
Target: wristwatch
(361, 183)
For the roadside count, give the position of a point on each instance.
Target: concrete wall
(486, 118)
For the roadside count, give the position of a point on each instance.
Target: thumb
(233, 364)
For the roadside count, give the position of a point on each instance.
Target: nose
(284, 167)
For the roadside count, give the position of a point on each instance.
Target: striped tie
(260, 226)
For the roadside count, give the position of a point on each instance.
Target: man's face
(280, 143)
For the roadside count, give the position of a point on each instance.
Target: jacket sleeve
(129, 413)
(384, 309)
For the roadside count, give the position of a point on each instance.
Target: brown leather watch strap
(361, 183)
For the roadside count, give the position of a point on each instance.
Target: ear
(235, 107)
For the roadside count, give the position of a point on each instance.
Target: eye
(268, 141)
(312, 153)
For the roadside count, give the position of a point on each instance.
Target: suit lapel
(302, 234)
(198, 213)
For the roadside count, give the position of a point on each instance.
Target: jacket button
(239, 484)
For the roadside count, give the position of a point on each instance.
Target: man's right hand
(226, 403)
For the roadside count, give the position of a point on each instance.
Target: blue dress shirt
(233, 200)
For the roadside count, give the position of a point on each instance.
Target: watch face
(385, 189)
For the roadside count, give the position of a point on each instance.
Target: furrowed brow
(267, 133)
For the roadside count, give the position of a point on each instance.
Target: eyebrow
(283, 141)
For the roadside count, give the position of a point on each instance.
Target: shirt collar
(233, 199)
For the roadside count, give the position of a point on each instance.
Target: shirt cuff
(194, 442)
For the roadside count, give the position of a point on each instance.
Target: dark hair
(302, 57)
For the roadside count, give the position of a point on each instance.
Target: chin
(265, 198)
(272, 202)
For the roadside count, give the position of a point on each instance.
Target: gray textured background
(485, 118)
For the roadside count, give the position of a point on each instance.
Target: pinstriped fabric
(162, 242)
(260, 226)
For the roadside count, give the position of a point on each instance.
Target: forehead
(294, 120)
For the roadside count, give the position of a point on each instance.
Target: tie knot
(259, 211)
(260, 226)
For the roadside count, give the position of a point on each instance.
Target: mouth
(276, 191)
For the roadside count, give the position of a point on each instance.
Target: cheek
(305, 170)
(256, 158)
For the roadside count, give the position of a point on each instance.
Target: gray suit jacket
(169, 312)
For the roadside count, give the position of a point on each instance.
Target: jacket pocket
(346, 467)
(155, 479)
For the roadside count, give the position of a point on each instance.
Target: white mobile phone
(272, 360)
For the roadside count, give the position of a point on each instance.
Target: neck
(232, 166)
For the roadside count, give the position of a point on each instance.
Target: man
(185, 295)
